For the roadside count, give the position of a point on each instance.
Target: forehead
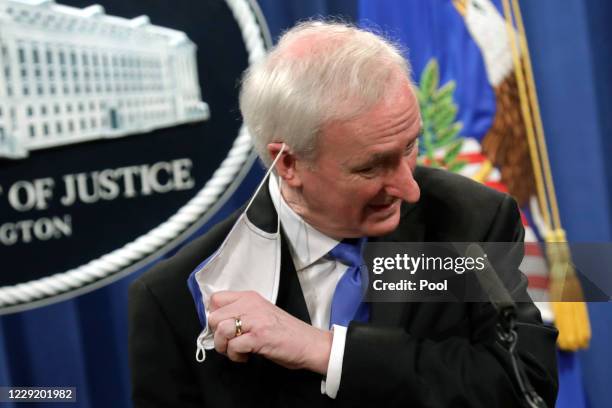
(394, 120)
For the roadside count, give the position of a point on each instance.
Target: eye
(366, 170)
(410, 147)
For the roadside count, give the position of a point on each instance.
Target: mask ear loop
(279, 204)
(278, 156)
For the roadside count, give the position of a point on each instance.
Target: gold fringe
(565, 291)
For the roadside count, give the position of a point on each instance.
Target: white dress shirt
(318, 274)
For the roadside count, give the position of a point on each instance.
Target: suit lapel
(262, 212)
(411, 229)
(290, 295)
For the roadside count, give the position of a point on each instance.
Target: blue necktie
(347, 302)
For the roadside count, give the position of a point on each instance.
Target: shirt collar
(307, 244)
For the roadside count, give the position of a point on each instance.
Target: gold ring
(238, 326)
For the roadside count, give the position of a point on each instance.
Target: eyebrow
(383, 156)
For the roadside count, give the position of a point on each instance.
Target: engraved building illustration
(69, 75)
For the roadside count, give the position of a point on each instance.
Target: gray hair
(319, 72)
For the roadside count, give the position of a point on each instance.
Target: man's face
(363, 170)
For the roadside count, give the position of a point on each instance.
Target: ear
(286, 165)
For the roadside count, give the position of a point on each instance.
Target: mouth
(385, 208)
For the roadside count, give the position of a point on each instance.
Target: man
(335, 106)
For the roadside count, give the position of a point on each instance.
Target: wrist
(319, 352)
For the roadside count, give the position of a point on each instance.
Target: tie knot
(349, 251)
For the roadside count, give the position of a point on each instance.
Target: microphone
(506, 328)
(494, 288)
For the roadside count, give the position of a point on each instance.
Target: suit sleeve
(391, 365)
(160, 375)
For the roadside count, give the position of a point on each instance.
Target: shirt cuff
(331, 384)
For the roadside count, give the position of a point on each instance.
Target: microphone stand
(506, 333)
(508, 338)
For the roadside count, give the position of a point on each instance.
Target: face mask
(248, 259)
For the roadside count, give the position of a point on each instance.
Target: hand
(267, 330)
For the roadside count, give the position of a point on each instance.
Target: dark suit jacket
(410, 354)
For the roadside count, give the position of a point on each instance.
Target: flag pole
(527, 117)
(571, 315)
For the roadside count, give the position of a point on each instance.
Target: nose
(401, 183)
